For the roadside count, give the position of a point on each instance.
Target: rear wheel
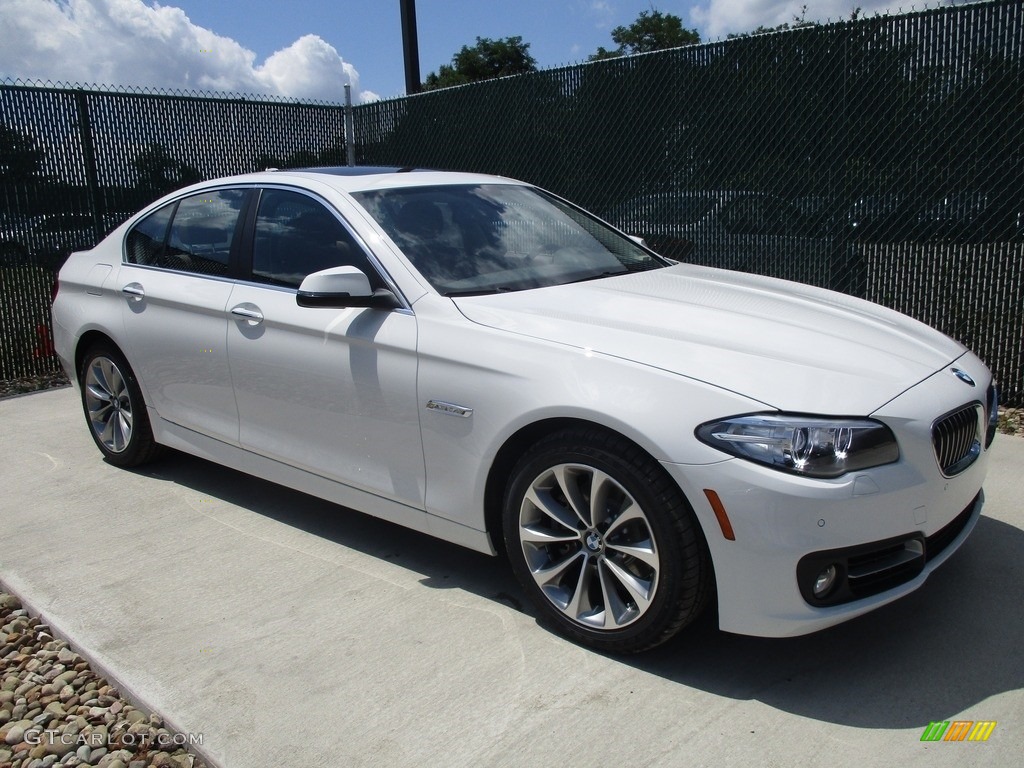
(114, 408)
(604, 542)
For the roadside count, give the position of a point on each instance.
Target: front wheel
(604, 542)
(114, 408)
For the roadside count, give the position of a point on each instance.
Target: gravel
(11, 387)
(56, 711)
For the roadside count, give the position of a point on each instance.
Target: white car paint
(334, 402)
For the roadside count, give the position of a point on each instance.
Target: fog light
(825, 581)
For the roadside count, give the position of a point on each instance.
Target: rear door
(175, 285)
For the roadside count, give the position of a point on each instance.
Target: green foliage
(486, 60)
(652, 31)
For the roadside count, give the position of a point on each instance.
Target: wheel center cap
(594, 542)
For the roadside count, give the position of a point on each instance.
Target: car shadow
(940, 651)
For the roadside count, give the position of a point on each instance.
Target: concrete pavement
(290, 632)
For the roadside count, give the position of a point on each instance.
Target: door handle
(133, 292)
(249, 313)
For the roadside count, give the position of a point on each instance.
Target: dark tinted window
(202, 231)
(145, 244)
(199, 238)
(296, 236)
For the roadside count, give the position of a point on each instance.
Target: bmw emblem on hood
(963, 376)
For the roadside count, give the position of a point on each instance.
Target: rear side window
(145, 243)
(202, 228)
(296, 236)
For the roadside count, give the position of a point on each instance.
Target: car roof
(358, 178)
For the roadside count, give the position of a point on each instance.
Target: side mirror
(340, 287)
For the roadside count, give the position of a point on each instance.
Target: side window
(145, 243)
(296, 235)
(202, 230)
(197, 240)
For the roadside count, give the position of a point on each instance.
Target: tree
(486, 60)
(652, 31)
(799, 22)
(20, 157)
(160, 172)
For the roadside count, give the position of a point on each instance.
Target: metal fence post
(350, 129)
(89, 156)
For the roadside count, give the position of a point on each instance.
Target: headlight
(804, 445)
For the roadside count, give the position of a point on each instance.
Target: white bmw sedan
(479, 360)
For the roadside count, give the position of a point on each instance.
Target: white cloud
(126, 42)
(717, 18)
(308, 68)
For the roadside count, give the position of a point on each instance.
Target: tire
(604, 542)
(114, 408)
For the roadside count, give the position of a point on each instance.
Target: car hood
(793, 347)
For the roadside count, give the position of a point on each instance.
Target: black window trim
(235, 262)
(240, 260)
(249, 236)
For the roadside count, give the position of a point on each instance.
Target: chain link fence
(75, 162)
(881, 157)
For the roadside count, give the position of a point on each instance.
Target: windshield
(485, 238)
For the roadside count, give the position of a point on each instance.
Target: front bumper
(886, 528)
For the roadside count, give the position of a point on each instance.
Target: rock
(15, 733)
(8, 602)
(64, 678)
(56, 743)
(56, 709)
(134, 716)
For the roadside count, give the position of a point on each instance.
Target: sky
(309, 49)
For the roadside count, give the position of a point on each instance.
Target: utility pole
(411, 47)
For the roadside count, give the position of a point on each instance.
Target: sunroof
(354, 170)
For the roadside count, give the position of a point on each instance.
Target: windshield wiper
(597, 276)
